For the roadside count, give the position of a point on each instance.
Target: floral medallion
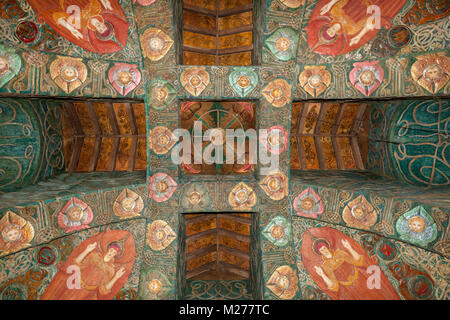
(278, 93)
(275, 185)
(195, 196)
(359, 213)
(75, 215)
(366, 77)
(16, 233)
(160, 235)
(68, 73)
(315, 80)
(161, 140)
(162, 187)
(243, 80)
(242, 197)
(128, 204)
(162, 94)
(308, 204)
(275, 139)
(155, 44)
(278, 231)
(10, 64)
(283, 43)
(417, 226)
(431, 71)
(195, 80)
(283, 283)
(124, 77)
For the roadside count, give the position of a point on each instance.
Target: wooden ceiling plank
(202, 269)
(236, 30)
(200, 235)
(235, 218)
(235, 252)
(235, 10)
(234, 235)
(200, 252)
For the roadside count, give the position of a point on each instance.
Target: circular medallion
(274, 184)
(128, 204)
(154, 286)
(195, 81)
(162, 186)
(421, 287)
(399, 36)
(433, 73)
(69, 74)
(417, 224)
(163, 139)
(277, 232)
(283, 44)
(195, 198)
(11, 233)
(46, 256)
(283, 282)
(156, 44)
(27, 31)
(124, 78)
(75, 214)
(241, 196)
(161, 93)
(315, 81)
(359, 211)
(307, 203)
(276, 93)
(367, 78)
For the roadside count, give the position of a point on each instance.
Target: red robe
(352, 15)
(95, 273)
(51, 10)
(349, 276)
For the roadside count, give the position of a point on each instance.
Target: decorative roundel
(27, 32)
(46, 256)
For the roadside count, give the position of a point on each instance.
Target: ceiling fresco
(92, 91)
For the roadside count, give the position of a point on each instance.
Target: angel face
(161, 93)
(325, 252)
(241, 195)
(195, 198)
(333, 30)
(163, 139)
(128, 204)
(307, 203)
(244, 81)
(358, 211)
(274, 184)
(417, 224)
(277, 232)
(315, 80)
(69, 74)
(110, 254)
(433, 73)
(75, 214)
(4, 65)
(162, 186)
(367, 78)
(283, 282)
(12, 233)
(124, 78)
(195, 81)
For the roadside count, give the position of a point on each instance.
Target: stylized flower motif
(417, 226)
(160, 235)
(277, 93)
(124, 77)
(275, 139)
(195, 80)
(366, 76)
(10, 64)
(128, 204)
(278, 231)
(155, 286)
(431, 71)
(144, 3)
(162, 187)
(359, 213)
(195, 196)
(242, 197)
(315, 80)
(68, 73)
(283, 43)
(162, 140)
(155, 44)
(162, 94)
(275, 185)
(16, 233)
(75, 215)
(283, 283)
(243, 80)
(308, 204)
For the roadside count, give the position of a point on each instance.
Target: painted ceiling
(91, 92)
